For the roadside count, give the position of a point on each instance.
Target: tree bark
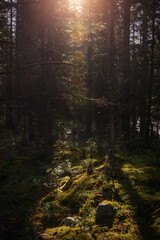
(126, 72)
(151, 80)
(144, 77)
(89, 84)
(45, 114)
(9, 121)
(112, 78)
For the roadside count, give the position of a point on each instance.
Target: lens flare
(76, 5)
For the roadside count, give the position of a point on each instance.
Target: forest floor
(36, 198)
(22, 174)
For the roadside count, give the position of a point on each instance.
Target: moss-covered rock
(104, 214)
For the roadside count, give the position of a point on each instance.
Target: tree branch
(38, 64)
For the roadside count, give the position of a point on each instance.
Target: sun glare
(76, 5)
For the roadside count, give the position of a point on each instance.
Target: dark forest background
(98, 68)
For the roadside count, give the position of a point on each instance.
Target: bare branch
(101, 102)
(38, 64)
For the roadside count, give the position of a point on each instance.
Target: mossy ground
(134, 196)
(37, 197)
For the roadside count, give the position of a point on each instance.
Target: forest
(79, 119)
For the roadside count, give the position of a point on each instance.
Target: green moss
(156, 225)
(80, 178)
(156, 221)
(49, 197)
(83, 236)
(67, 233)
(100, 233)
(79, 194)
(64, 182)
(59, 231)
(73, 198)
(50, 214)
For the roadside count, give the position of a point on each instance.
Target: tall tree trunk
(112, 78)
(18, 59)
(126, 72)
(89, 83)
(9, 122)
(46, 90)
(133, 86)
(151, 80)
(102, 83)
(105, 63)
(144, 76)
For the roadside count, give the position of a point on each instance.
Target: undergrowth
(134, 197)
(37, 197)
